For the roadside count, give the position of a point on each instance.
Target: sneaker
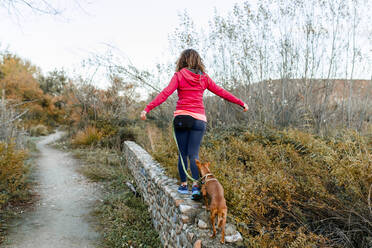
(196, 195)
(183, 189)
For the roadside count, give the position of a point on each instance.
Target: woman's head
(190, 59)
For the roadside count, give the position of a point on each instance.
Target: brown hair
(190, 59)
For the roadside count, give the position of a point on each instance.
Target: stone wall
(180, 221)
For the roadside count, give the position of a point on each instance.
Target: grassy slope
(289, 188)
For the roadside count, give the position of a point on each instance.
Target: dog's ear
(197, 163)
(208, 164)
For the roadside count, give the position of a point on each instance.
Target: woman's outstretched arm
(161, 97)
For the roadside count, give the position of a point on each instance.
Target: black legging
(189, 144)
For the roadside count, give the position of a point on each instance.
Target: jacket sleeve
(213, 87)
(162, 96)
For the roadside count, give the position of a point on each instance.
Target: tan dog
(213, 188)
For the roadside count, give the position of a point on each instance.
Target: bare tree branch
(40, 6)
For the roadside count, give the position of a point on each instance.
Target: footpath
(62, 216)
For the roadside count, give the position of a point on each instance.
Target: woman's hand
(245, 107)
(143, 115)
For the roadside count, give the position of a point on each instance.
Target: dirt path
(61, 217)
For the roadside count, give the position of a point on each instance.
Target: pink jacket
(190, 88)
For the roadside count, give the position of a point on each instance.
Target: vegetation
(12, 174)
(90, 136)
(21, 88)
(18, 90)
(15, 181)
(290, 188)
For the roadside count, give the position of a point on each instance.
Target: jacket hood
(192, 78)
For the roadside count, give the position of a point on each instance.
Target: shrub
(39, 130)
(116, 139)
(90, 136)
(12, 173)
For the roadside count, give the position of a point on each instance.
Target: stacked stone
(174, 216)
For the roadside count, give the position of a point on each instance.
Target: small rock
(230, 229)
(203, 215)
(202, 224)
(185, 208)
(198, 244)
(190, 236)
(173, 233)
(197, 205)
(185, 218)
(234, 238)
(178, 202)
(178, 229)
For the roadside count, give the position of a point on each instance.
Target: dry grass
(100, 164)
(289, 188)
(89, 136)
(16, 182)
(12, 173)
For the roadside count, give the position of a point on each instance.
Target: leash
(183, 164)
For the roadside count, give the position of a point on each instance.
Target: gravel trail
(61, 217)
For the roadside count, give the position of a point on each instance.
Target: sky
(137, 29)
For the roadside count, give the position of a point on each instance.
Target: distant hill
(359, 88)
(317, 103)
(337, 89)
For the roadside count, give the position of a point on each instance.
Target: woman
(190, 80)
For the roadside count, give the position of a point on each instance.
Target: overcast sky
(138, 28)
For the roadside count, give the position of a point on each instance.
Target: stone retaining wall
(180, 221)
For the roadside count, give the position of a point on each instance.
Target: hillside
(289, 188)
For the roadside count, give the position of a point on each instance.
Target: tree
(54, 82)
(23, 89)
(283, 59)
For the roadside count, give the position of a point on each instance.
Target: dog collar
(205, 177)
